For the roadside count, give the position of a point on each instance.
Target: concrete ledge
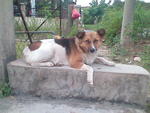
(27, 104)
(122, 83)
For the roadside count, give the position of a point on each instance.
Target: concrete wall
(121, 83)
(7, 41)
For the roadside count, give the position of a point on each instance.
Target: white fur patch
(89, 71)
(89, 58)
(49, 51)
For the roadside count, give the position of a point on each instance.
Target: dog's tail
(57, 37)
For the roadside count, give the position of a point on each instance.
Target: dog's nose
(92, 50)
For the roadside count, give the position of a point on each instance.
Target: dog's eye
(88, 41)
(95, 41)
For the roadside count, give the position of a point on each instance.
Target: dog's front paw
(90, 82)
(49, 64)
(110, 63)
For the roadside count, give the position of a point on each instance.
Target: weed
(5, 90)
(19, 48)
(145, 55)
(147, 108)
(73, 32)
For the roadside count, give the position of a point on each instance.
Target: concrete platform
(122, 83)
(36, 105)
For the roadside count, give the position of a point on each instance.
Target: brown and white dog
(78, 52)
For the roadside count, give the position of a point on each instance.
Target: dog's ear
(80, 34)
(101, 32)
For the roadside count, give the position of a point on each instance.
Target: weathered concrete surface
(122, 83)
(7, 38)
(36, 105)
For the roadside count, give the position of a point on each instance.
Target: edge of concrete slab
(118, 68)
(122, 83)
(26, 104)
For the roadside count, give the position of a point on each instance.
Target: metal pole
(60, 17)
(33, 7)
(24, 22)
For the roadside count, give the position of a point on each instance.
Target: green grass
(147, 108)
(51, 24)
(92, 27)
(32, 23)
(145, 55)
(73, 32)
(5, 90)
(19, 48)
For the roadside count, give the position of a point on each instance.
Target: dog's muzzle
(92, 50)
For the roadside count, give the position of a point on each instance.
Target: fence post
(70, 21)
(33, 10)
(7, 37)
(23, 9)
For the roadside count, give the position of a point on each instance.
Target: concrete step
(36, 105)
(122, 83)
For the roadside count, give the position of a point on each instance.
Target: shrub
(92, 27)
(145, 55)
(95, 12)
(141, 26)
(111, 21)
(5, 90)
(88, 19)
(73, 32)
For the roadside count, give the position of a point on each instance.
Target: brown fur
(90, 38)
(76, 60)
(83, 44)
(76, 47)
(35, 45)
(73, 51)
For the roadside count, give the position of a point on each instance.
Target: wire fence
(46, 31)
(42, 25)
(46, 19)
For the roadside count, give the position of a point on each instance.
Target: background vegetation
(111, 20)
(5, 90)
(100, 15)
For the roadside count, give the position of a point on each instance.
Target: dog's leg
(76, 61)
(89, 71)
(42, 64)
(104, 61)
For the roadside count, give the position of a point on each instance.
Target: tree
(95, 12)
(127, 24)
(94, 3)
(116, 1)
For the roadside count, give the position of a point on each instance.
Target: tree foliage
(112, 21)
(94, 12)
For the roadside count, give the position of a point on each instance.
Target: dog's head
(90, 41)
